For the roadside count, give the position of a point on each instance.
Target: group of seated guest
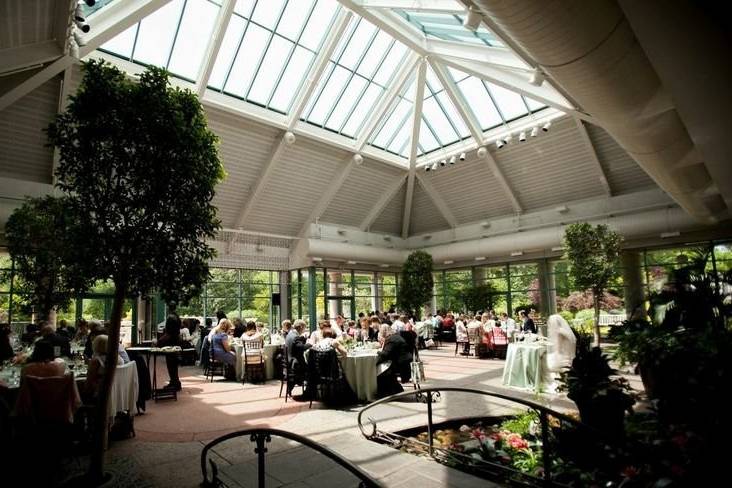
(327, 340)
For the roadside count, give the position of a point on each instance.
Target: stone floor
(171, 434)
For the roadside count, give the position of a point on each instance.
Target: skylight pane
(533, 104)
(227, 51)
(272, 66)
(328, 96)
(319, 24)
(198, 22)
(400, 144)
(254, 43)
(363, 108)
(437, 119)
(482, 105)
(357, 45)
(344, 106)
(453, 115)
(244, 7)
(510, 103)
(292, 79)
(267, 13)
(155, 38)
(343, 41)
(393, 123)
(295, 16)
(433, 83)
(318, 89)
(375, 54)
(391, 63)
(122, 43)
(426, 138)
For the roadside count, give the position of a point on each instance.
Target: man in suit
(398, 352)
(60, 344)
(528, 323)
(296, 345)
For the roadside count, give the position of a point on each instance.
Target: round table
(269, 365)
(360, 371)
(526, 366)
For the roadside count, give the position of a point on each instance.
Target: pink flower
(630, 471)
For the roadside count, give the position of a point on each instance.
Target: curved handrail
(259, 435)
(428, 394)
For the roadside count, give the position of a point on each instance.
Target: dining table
(526, 366)
(361, 371)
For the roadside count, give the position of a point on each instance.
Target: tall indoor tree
(49, 269)
(415, 286)
(139, 165)
(593, 254)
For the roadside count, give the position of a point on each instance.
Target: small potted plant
(601, 396)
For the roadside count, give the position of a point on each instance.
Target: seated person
(185, 333)
(6, 348)
(222, 350)
(95, 329)
(30, 334)
(63, 329)
(82, 331)
(239, 327)
(285, 328)
(351, 329)
(97, 365)
(365, 332)
(329, 341)
(397, 351)
(42, 362)
(316, 336)
(461, 335)
(61, 345)
(251, 333)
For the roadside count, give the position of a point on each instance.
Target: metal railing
(261, 437)
(484, 467)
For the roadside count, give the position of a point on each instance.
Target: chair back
(251, 345)
(326, 365)
(125, 389)
(474, 334)
(51, 400)
(498, 336)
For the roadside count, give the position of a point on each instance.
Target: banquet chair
(253, 353)
(499, 342)
(462, 343)
(476, 341)
(213, 365)
(326, 373)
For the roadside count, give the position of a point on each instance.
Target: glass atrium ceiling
(271, 48)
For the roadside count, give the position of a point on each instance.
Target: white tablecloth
(526, 366)
(269, 365)
(125, 389)
(361, 374)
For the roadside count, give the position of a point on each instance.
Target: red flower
(630, 472)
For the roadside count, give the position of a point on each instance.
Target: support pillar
(633, 284)
(376, 292)
(335, 279)
(285, 312)
(312, 294)
(479, 275)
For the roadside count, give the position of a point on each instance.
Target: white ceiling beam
(502, 182)
(458, 100)
(328, 195)
(214, 45)
(318, 67)
(391, 24)
(500, 57)
(261, 183)
(62, 24)
(593, 155)
(109, 22)
(382, 202)
(433, 6)
(386, 101)
(28, 56)
(413, 143)
(438, 201)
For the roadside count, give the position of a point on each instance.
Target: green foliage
(49, 269)
(521, 424)
(587, 316)
(478, 297)
(584, 338)
(591, 378)
(140, 167)
(567, 315)
(415, 287)
(593, 256)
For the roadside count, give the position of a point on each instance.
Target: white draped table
(526, 366)
(360, 371)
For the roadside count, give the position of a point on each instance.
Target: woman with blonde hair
(97, 365)
(222, 350)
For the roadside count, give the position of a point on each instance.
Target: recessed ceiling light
(517, 253)
(666, 235)
(449, 261)
(384, 265)
(351, 262)
(480, 258)
(316, 259)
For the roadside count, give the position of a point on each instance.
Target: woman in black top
(398, 352)
(171, 337)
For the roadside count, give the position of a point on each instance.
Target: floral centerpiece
(265, 334)
(348, 342)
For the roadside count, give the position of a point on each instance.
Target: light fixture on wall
(428, 167)
(534, 132)
(80, 20)
(546, 126)
(462, 156)
(508, 139)
(472, 20)
(434, 166)
(358, 159)
(480, 258)
(666, 235)
(500, 143)
(482, 152)
(522, 136)
(452, 159)
(443, 162)
(449, 261)
(290, 138)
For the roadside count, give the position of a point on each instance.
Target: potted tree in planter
(478, 297)
(593, 255)
(602, 398)
(139, 167)
(415, 287)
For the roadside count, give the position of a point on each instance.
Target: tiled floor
(171, 434)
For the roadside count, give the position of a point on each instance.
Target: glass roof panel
(480, 102)
(294, 19)
(198, 22)
(345, 104)
(291, 79)
(243, 70)
(123, 43)
(274, 63)
(444, 121)
(337, 79)
(244, 7)
(156, 35)
(511, 104)
(427, 140)
(317, 26)
(227, 51)
(448, 27)
(363, 109)
(268, 13)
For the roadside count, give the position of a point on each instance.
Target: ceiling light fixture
(480, 258)
(534, 132)
(358, 159)
(462, 156)
(434, 166)
(316, 259)
(351, 262)
(80, 20)
(449, 261)
(428, 167)
(499, 144)
(546, 126)
(517, 253)
(522, 136)
(508, 139)
(482, 152)
(443, 162)
(472, 20)
(537, 77)
(666, 235)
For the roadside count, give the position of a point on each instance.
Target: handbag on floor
(417, 370)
